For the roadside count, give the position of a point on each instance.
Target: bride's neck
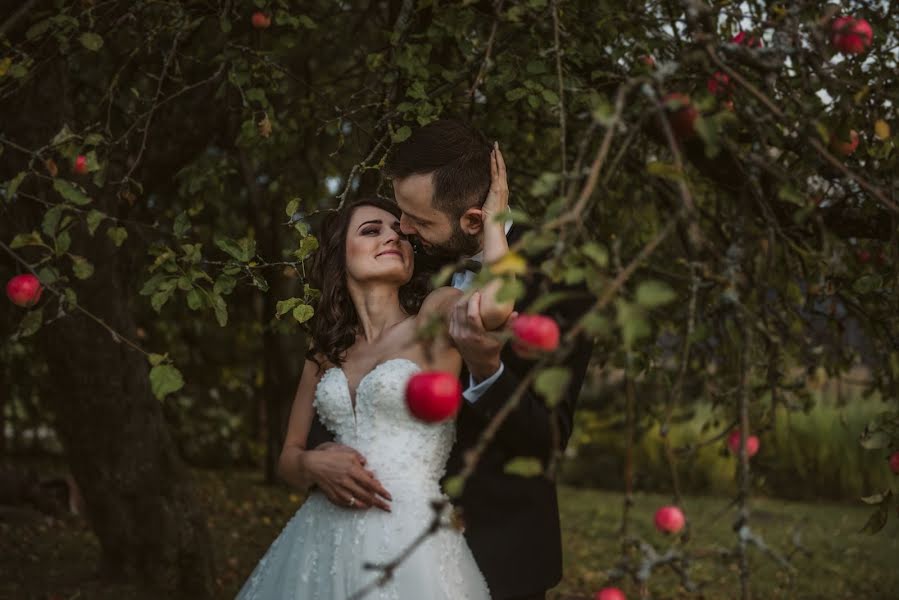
(378, 307)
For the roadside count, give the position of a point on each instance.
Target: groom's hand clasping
(480, 349)
(339, 471)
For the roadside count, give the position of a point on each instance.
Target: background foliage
(736, 270)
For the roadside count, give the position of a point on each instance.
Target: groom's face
(433, 229)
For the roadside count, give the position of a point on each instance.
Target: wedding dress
(321, 552)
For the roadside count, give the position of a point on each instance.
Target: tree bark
(138, 492)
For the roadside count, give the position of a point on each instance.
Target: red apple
(863, 256)
(261, 20)
(24, 290)
(433, 396)
(669, 519)
(845, 148)
(533, 334)
(80, 164)
(733, 442)
(682, 119)
(719, 84)
(744, 39)
(894, 462)
(648, 61)
(610, 593)
(850, 35)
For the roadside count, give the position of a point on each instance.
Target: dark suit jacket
(512, 522)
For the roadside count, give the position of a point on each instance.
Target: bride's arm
(339, 470)
(494, 313)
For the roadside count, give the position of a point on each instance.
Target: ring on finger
(352, 501)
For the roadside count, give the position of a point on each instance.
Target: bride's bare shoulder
(439, 301)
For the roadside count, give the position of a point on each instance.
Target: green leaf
(31, 322)
(511, 290)
(877, 520)
(665, 171)
(874, 440)
(48, 275)
(91, 41)
(158, 300)
(71, 298)
(81, 266)
(181, 225)
(401, 134)
(545, 184)
(27, 239)
(654, 293)
(71, 192)
(551, 383)
(453, 486)
(242, 250)
(596, 324)
(152, 284)
(224, 285)
(303, 313)
(63, 242)
(194, 299)
(292, 206)
(867, 284)
(550, 96)
(597, 253)
(38, 29)
(285, 306)
(220, 308)
(94, 218)
(12, 186)
(708, 131)
(307, 22)
(789, 194)
(308, 245)
(165, 379)
(117, 235)
(156, 359)
(523, 466)
(632, 322)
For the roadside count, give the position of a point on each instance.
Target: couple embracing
(374, 469)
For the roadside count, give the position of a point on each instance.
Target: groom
(441, 175)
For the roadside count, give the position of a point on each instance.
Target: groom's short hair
(456, 153)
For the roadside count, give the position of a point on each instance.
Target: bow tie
(470, 265)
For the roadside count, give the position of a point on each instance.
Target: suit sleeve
(528, 430)
(318, 434)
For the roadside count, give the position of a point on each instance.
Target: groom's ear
(472, 221)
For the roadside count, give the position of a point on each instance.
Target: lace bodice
(396, 445)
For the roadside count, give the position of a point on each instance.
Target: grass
(55, 559)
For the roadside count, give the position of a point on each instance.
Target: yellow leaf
(512, 262)
(882, 129)
(264, 126)
(4, 65)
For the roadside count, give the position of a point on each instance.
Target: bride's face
(376, 250)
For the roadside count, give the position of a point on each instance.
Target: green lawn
(45, 559)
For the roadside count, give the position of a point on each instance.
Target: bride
(365, 348)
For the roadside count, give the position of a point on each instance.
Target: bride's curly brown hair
(335, 324)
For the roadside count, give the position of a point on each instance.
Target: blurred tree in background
(163, 163)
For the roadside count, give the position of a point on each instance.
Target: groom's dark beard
(458, 245)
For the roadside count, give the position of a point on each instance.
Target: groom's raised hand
(339, 471)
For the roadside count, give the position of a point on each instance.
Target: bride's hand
(498, 197)
(339, 471)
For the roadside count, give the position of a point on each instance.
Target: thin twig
(558, 52)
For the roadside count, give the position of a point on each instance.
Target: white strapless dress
(321, 552)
